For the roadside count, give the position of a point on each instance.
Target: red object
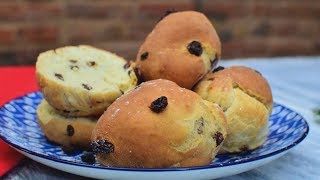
(15, 82)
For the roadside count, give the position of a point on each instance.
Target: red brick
(27, 55)
(290, 46)
(89, 31)
(138, 30)
(220, 10)
(156, 9)
(262, 28)
(40, 34)
(12, 11)
(87, 10)
(269, 46)
(244, 48)
(295, 9)
(96, 31)
(124, 11)
(291, 27)
(126, 49)
(44, 10)
(118, 30)
(82, 31)
(316, 46)
(285, 27)
(225, 35)
(7, 36)
(100, 9)
(8, 58)
(238, 27)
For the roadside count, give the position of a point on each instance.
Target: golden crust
(249, 80)
(246, 98)
(143, 138)
(54, 126)
(168, 56)
(68, 95)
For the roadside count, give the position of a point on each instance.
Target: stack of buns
(183, 114)
(78, 83)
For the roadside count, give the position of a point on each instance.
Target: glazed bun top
(181, 44)
(180, 105)
(178, 28)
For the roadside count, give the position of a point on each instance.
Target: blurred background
(247, 28)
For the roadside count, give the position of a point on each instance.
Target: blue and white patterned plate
(19, 128)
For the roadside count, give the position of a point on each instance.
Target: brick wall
(247, 28)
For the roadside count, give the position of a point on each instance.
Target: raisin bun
(83, 80)
(182, 48)
(158, 125)
(246, 99)
(66, 131)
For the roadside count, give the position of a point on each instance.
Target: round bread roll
(181, 44)
(246, 99)
(157, 125)
(66, 131)
(82, 80)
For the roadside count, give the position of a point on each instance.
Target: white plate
(19, 128)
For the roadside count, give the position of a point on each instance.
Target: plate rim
(219, 165)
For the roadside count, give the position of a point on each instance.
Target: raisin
(200, 125)
(218, 136)
(159, 104)
(73, 61)
(74, 67)
(244, 148)
(88, 157)
(195, 48)
(70, 130)
(66, 111)
(144, 56)
(73, 111)
(139, 75)
(127, 65)
(169, 11)
(86, 86)
(102, 146)
(68, 149)
(137, 71)
(213, 62)
(219, 68)
(91, 63)
(59, 76)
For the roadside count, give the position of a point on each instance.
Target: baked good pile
(78, 84)
(171, 107)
